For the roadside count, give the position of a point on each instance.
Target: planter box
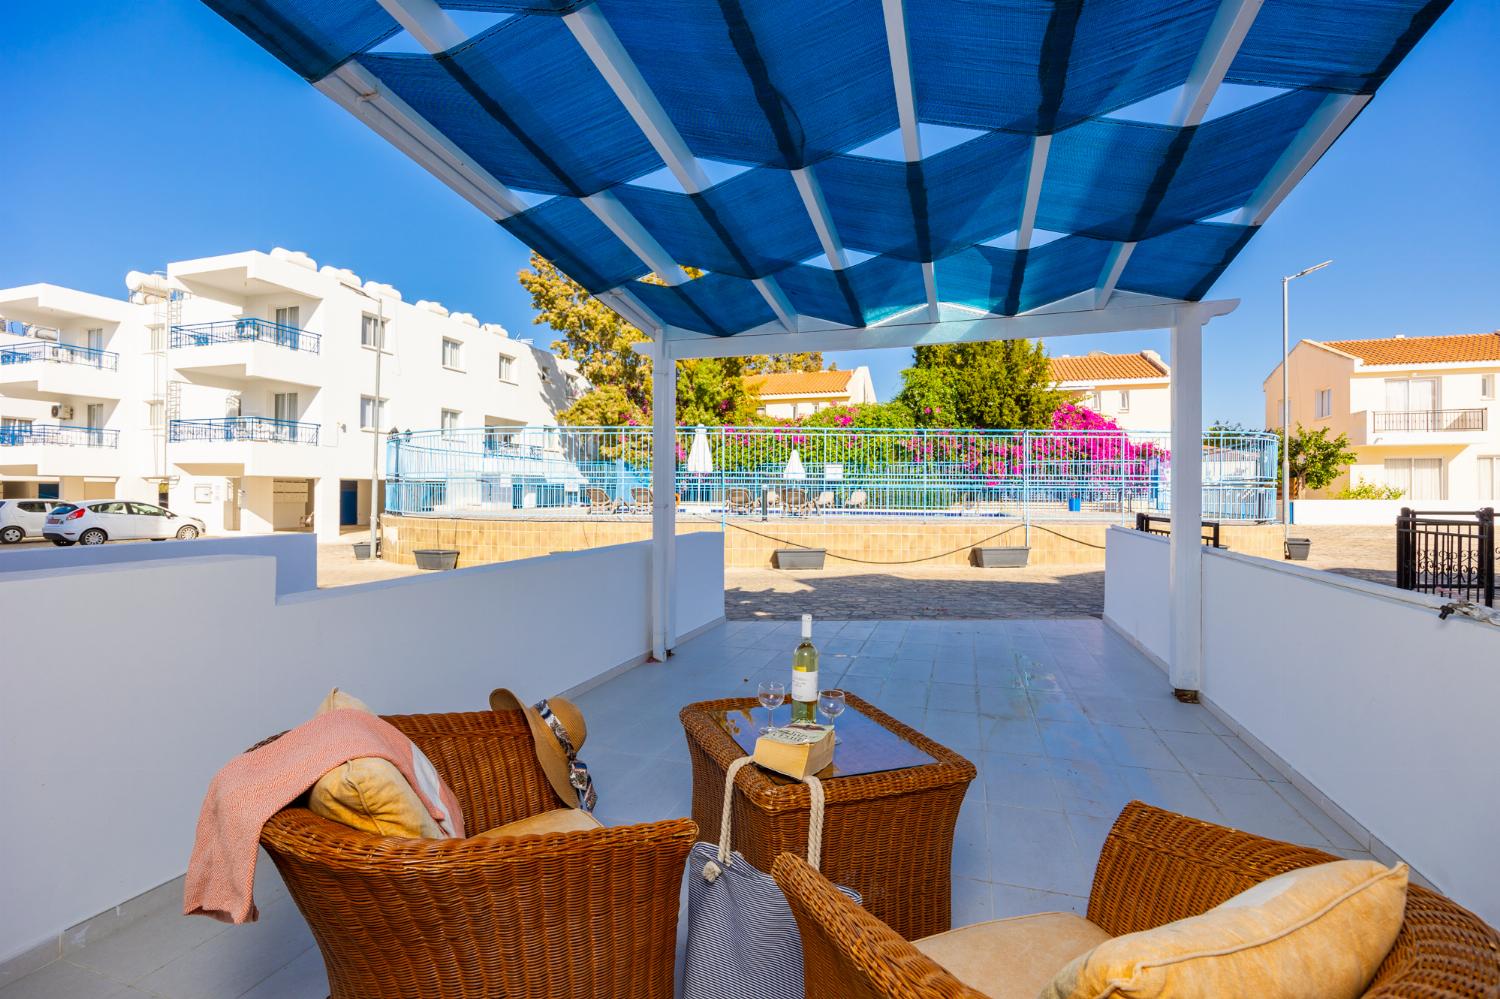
(436, 558)
(799, 558)
(1297, 548)
(361, 550)
(999, 558)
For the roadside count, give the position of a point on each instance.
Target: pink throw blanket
(256, 785)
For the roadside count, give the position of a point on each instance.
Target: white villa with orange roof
(1134, 390)
(1421, 411)
(790, 394)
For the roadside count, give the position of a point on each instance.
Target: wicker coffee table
(888, 834)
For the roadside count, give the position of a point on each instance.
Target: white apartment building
(242, 389)
(1421, 411)
(1134, 390)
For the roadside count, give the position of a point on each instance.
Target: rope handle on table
(814, 819)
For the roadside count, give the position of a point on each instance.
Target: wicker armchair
(1156, 866)
(583, 914)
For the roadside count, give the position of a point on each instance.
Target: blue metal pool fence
(824, 472)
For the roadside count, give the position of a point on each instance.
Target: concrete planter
(1297, 549)
(799, 558)
(436, 558)
(1000, 558)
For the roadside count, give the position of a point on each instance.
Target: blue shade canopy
(578, 108)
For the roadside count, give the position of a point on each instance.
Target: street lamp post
(375, 415)
(1286, 402)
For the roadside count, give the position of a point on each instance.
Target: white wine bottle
(805, 677)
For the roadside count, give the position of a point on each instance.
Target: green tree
(1315, 459)
(1001, 383)
(710, 390)
(872, 415)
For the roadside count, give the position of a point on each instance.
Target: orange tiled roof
(1422, 349)
(1104, 368)
(798, 382)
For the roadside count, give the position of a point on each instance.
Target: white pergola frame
(1102, 309)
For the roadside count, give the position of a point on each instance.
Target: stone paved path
(915, 593)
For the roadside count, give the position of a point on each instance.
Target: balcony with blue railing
(257, 429)
(245, 330)
(44, 352)
(30, 434)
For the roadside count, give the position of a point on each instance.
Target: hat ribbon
(578, 771)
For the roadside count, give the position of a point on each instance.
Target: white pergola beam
(906, 114)
(913, 332)
(1327, 123)
(822, 220)
(1225, 35)
(1040, 147)
(598, 40)
(425, 21)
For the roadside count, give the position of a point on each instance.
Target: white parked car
(97, 521)
(23, 518)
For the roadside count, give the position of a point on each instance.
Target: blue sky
(141, 133)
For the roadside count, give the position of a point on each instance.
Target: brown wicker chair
(1156, 866)
(583, 914)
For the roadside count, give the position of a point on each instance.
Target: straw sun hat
(556, 751)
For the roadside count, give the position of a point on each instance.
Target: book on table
(796, 750)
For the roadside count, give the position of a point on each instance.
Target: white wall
(111, 731)
(1134, 560)
(1373, 512)
(1362, 689)
(296, 556)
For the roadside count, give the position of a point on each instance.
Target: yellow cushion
(370, 794)
(1012, 958)
(551, 821)
(1315, 933)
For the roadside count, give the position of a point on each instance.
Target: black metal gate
(1447, 553)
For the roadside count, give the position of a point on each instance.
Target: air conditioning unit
(62, 411)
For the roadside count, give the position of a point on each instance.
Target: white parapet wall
(114, 719)
(1373, 513)
(1381, 706)
(296, 556)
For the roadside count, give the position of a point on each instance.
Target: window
(1096, 401)
(371, 414)
(147, 510)
(1411, 395)
(1489, 477)
(450, 419)
(289, 315)
(95, 339)
(453, 354)
(94, 415)
(507, 364)
(17, 423)
(1125, 400)
(1324, 404)
(1486, 386)
(158, 339)
(1417, 478)
(284, 406)
(367, 331)
(155, 409)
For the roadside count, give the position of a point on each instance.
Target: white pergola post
(1185, 576)
(663, 497)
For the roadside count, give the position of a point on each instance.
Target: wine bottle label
(804, 685)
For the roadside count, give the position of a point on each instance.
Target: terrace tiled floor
(1065, 722)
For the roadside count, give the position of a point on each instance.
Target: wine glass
(771, 694)
(831, 703)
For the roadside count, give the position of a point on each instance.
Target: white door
(151, 521)
(290, 315)
(96, 340)
(1417, 478)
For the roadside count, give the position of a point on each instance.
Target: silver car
(97, 521)
(23, 518)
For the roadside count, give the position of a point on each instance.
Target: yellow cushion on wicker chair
(1319, 931)
(370, 794)
(1012, 958)
(551, 821)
